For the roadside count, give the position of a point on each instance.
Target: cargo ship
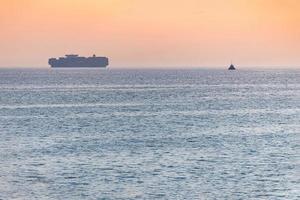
(75, 61)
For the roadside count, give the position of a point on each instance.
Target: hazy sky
(152, 33)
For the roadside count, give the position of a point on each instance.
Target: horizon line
(239, 67)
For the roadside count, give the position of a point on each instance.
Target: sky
(156, 33)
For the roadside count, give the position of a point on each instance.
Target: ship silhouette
(231, 67)
(73, 60)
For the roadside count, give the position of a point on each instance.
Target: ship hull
(78, 67)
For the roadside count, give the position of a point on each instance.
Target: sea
(149, 134)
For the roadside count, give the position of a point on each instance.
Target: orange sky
(156, 33)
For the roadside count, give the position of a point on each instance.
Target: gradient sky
(152, 33)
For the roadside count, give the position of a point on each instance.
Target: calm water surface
(149, 134)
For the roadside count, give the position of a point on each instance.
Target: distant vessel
(231, 67)
(73, 60)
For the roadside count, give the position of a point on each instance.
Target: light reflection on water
(149, 134)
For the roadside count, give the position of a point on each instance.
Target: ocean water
(149, 134)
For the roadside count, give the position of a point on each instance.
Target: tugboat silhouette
(231, 67)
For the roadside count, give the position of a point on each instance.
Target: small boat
(231, 67)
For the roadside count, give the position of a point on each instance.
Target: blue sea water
(149, 134)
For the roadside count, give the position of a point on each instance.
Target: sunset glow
(143, 33)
